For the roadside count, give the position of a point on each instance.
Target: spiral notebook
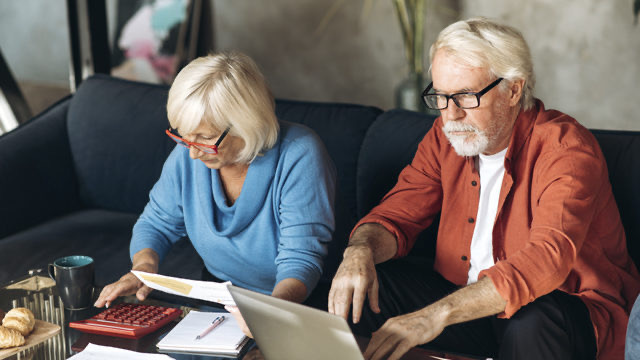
(225, 339)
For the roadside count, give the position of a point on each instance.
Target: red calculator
(131, 321)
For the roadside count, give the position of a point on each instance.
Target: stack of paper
(98, 352)
(225, 339)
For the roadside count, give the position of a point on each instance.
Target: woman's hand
(145, 260)
(127, 285)
(254, 354)
(239, 319)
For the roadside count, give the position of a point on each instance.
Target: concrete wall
(586, 55)
(35, 41)
(358, 57)
(586, 52)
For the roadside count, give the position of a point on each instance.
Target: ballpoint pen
(217, 321)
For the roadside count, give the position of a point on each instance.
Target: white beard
(471, 144)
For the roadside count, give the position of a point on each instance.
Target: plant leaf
(407, 35)
(328, 16)
(418, 38)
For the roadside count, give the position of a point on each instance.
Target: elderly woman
(253, 194)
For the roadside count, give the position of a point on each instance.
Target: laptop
(285, 330)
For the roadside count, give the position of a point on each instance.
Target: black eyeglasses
(209, 149)
(465, 100)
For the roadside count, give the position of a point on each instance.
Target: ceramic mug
(74, 277)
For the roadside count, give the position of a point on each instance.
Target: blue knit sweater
(278, 228)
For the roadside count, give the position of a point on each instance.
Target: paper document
(203, 290)
(98, 352)
(224, 339)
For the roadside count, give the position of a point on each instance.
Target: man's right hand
(355, 279)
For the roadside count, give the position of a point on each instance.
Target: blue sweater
(278, 228)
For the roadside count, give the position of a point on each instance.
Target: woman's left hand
(236, 314)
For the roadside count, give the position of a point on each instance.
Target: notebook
(226, 339)
(285, 330)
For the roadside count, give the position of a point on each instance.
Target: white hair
(480, 42)
(225, 90)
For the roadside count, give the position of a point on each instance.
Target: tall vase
(411, 17)
(409, 92)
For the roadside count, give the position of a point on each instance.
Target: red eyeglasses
(209, 149)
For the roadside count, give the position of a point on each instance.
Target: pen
(217, 321)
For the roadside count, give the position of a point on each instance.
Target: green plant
(411, 17)
(410, 14)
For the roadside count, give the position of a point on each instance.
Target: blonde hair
(480, 42)
(225, 90)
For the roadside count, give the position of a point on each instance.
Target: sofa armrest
(37, 180)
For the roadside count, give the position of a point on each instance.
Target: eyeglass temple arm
(491, 86)
(224, 133)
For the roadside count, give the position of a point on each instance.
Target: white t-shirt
(491, 169)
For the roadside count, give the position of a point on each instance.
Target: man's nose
(453, 111)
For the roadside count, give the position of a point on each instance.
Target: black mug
(74, 277)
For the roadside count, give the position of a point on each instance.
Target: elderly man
(531, 259)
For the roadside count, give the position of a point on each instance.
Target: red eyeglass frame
(209, 149)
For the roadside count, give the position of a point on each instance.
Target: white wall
(586, 55)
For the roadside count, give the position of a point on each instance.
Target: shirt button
(471, 220)
(464, 258)
(474, 183)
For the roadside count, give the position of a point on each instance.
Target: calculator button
(128, 320)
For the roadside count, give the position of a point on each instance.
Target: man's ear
(515, 91)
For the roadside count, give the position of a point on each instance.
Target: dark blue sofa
(74, 179)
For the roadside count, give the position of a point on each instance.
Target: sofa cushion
(389, 146)
(342, 128)
(116, 131)
(622, 152)
(38, 181)
(103, 235)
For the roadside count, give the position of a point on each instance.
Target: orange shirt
(557, 224)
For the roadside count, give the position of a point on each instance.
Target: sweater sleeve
(306, 210)
(162, 223)
(416, 199)
(567, 183)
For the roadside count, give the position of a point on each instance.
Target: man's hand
(399, 334)
(355, 279)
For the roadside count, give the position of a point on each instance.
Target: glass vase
(408, 93)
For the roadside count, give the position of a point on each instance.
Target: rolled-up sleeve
(415, 200)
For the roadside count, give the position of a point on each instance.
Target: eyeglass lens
(465, 101)
(208, 150)
(468, 100)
